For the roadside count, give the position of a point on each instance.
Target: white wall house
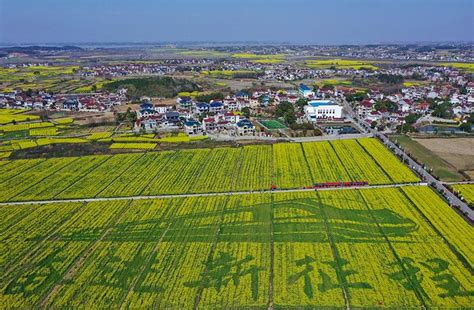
(322, 109)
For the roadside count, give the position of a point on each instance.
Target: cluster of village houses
(109, 71)
(217, 116)
(225, 116)
(414, 100)
(99, 102)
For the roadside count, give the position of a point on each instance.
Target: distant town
(237, 92)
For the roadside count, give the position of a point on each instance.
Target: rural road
(458, 183)
(290, 139)
(452, 199)
(205, 194)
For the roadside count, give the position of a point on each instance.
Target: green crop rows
(370, 248)
(251, 168)
(398, 248)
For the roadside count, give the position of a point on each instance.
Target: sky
(292, 21)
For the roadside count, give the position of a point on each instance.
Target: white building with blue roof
(322, 110)
(305, 91)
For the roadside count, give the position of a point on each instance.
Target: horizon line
(79, 43)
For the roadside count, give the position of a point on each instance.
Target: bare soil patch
(458, 152)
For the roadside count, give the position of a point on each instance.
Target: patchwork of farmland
(340, 64)
(370, 248)
(250, 168)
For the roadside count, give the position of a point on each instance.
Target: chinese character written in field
(445, 280)
(37, 275)
(108, 273)
(338, 265)
(308, 268)
(226, 268)
(409, 276)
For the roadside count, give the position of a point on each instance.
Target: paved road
(452, 199)
(205, 194)
(294, 139)
(458, 183)
(333, 137)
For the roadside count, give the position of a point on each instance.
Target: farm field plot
(256, 168)
(147, 167)
(99, 178)
(359, 164)
(214, 175)
(323, 163)
(16, 167)
(8, 116)
(250, 168)
(467, 191)
(57, 182)
(368, 248)
(458, 153)
(139, 146)
(25, 126)
(33, 176)
(429, 251)
(440, 162)
(290, 168)
(445, 223)
(47, 131)
(340, 64)
(100, 135)
(397, 172)
(188, 163)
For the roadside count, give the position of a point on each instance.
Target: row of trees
(155, 86)
(288, 111)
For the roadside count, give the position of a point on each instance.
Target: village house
(192, 127)
(232, 105)
(292, 99)
(185, 113)
(244, 128)
(172, 118)
(216, 107)
(146, 110)
(365, 107)
(254, 102)
(281, 97)
(470, 88)
(373, 116)
(72, 105)
(223, 125)
(421, 108)
(184, 102)
(148, 123)
(231, 117)
(202, 107)
(242, 95)
(404, 105)
(161, 108)
(305, 91)
(209, 124)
